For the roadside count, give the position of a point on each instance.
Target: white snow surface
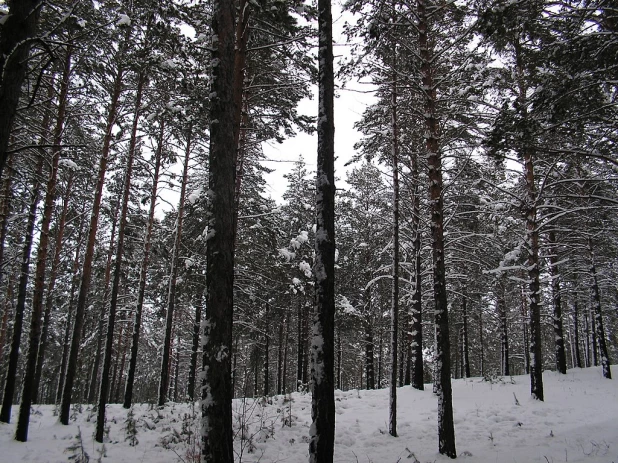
(576, 423)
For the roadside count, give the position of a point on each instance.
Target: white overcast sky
(350, 103)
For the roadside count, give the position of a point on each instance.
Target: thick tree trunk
(446, 428)
(80, 310)
(217, 393)
(596, 301)
(16, 36)
(141, 292)
(171, 293)
(11, 374)
(322, 431)
(561, 366)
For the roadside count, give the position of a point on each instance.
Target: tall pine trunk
(171, 291)
(596, 301)
(578, 356)
(11, 373)
(446, 428)
(532, 236)
(80, 309)
(417, 374)
(392, 423)
(217, 393)
(561, 366)
(111, 318)
(504, 327)
(322, 430)
(465, 357)
(29, 384)
(141, 292)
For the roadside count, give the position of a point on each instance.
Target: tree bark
(217, 393)
(446, 428)
(195, 345)
(16, 38)
(322, 430)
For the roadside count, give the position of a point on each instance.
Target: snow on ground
(494, 422)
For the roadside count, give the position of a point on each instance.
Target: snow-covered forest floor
(494, 422)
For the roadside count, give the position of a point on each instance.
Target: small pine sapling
(77, 451)
(130, 428)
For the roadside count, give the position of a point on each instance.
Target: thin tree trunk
(280, 357)
(532, 242)
(53, 275)
(322, 431)
(111, 317)
(578, 357)
(15, 41)
(266, 350)
(596, 301)
(11, 374)
(417, 379)
(369, 364)
(6, 209)
(65, 406)
(300, 347)
(141, 292)
(561, 366)
(504, 328)
(195, 345)
(593, 336)
(67, 332)
(446, 428)
(465, 358)
(392, 423)
(217, 431)
(482, 343)
(285, 354)
(171, 294)
(94, 375)
(587, 340)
